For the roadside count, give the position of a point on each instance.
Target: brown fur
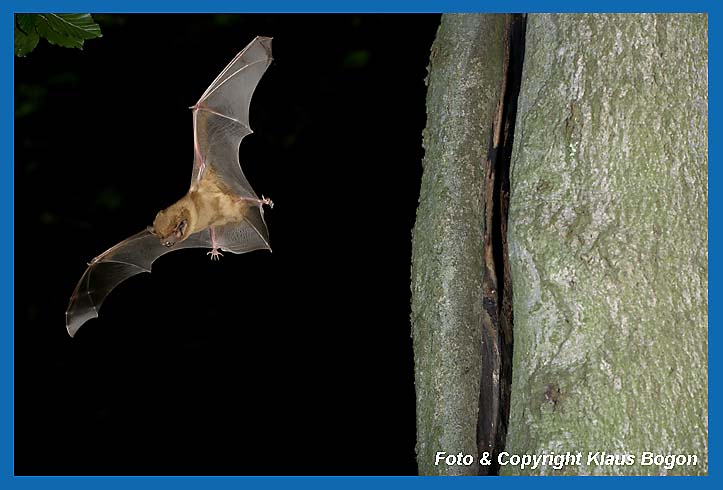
(208, 203)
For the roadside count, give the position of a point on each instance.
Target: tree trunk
(465, 77)
(608, 242)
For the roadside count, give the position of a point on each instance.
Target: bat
(220, 211)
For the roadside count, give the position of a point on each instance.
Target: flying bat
(220, 211)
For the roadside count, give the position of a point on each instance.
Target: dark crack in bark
(497, 335)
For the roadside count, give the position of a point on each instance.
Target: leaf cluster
(67, 30)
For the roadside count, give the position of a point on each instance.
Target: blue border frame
(359, 6)
(7, 8)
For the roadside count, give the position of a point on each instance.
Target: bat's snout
(165, 241)
(177, 235)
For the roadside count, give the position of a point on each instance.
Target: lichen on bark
(464, 82)
(608, 241)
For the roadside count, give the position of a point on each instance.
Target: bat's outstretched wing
(221, 117)
(135, 255)
(126, 259)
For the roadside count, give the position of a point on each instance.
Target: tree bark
(465, 77)
(608, 242)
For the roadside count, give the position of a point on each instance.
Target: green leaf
(25, 43)
(26, 22)
(68, 30)
(56, 38)
(73, 25)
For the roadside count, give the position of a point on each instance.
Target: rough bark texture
(608, 241)
(464, 82)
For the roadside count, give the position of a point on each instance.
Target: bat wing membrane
(137, 253)
(245, 236)
(221, 117)
(132, 256)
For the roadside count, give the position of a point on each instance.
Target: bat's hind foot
(267, 201)
(215, 254)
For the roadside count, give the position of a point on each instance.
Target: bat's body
(209, 204)
(220, 211)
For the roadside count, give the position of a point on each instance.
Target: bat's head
(172, 224)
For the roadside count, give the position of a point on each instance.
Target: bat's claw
(267, 201)
(215, 254)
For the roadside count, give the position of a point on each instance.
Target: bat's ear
(181, 228)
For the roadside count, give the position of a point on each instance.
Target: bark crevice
(497, 335)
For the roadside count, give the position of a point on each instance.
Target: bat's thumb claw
(267, 201)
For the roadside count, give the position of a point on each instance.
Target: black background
(292, 362)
